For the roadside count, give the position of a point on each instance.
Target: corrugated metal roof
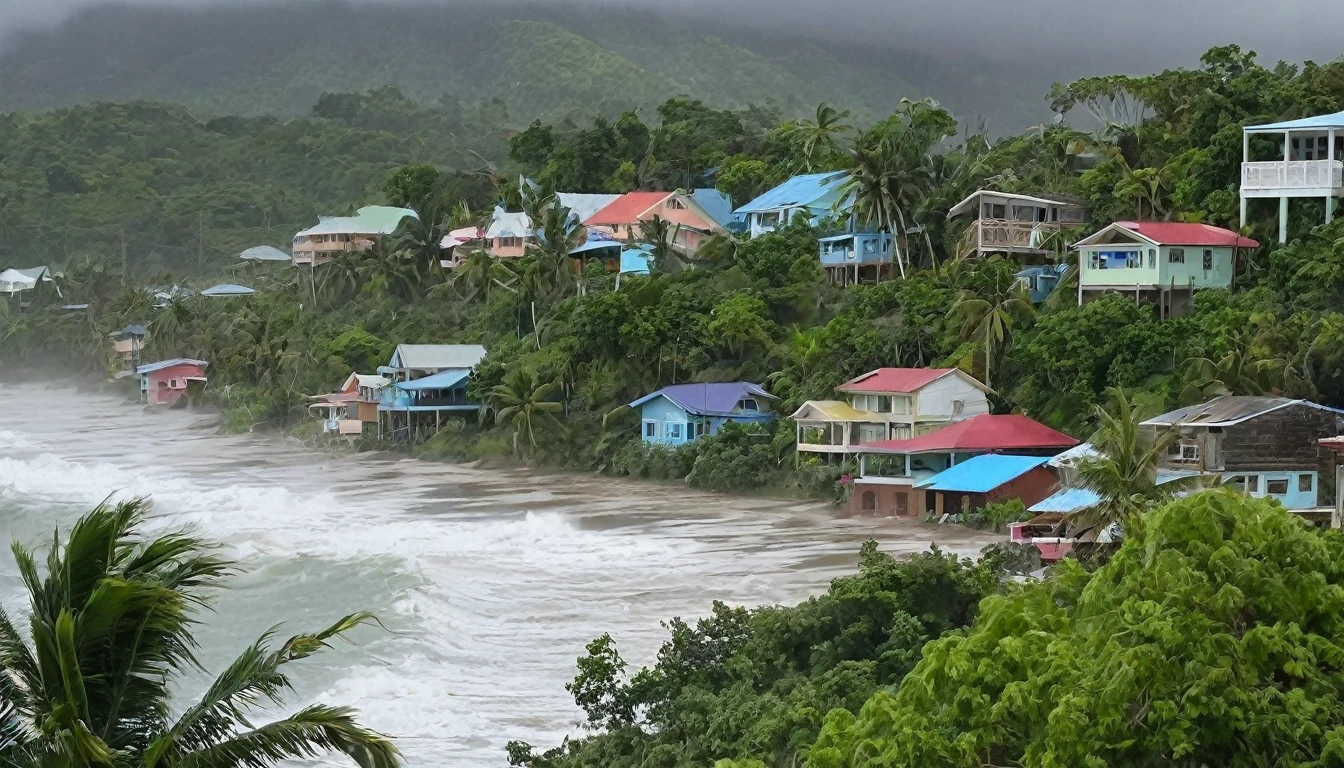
(584, 205)
(228, 289)
(1175, 233)
(831, 410)
(1227, 411)
(436, 356)
(160, 365)
(717, 205)
(263, 253)
(982, 474)
(442, 380)
(1012, 432)
(1067, 501)
(509, 224)
(965, 206)
(1319, 122)
(901, 380)
(797, 192)
(369, 220)
(627, 208)
(707, 399)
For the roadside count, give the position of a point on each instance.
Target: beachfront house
(1309, 162)
(127, 346)
(894, 474)
(427, 383)
(694, 216)
(509, 233)
(1267, 447)
(168, 381)
(1013, 224)
(1158, 262)
(353, 406)
(812, 197)
(987, 479)
(683, 413)
(335, 234)
(888, 404)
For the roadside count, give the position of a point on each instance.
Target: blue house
(428, 381)
(853, 256)
(681, 413)
(1040, 281)
(813, 196)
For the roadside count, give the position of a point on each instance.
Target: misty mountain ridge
(541, 62)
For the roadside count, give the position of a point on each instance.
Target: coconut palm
(661, 237)
(420, 238)
(1237, 372)
(991, 317)
(520, 402)
(480, 274)
(111, 634)
(820, 135)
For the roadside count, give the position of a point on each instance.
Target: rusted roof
(1228, 411)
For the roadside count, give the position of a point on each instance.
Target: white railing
(1293, 174)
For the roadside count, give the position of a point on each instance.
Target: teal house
(682, 413)
(813, 196)
(1159, 262)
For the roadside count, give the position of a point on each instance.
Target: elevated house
(1158, 262)
(128, 344)
(509, 233)
(887, 404)
(168, 381)
(1013, 224)
(683, 413)
(353, 407)
(1041, 280)
(813, 197)
(1310, 164)
(854, 257)
(894, 474)
(1267, 447)
(335, 234)
(427, 382)
(695, 215)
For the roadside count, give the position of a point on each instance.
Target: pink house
(165, 382)
(696, 215)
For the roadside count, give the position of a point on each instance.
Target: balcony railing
(1003, 234)
(1293, 174)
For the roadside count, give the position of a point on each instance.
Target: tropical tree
(991, 316)
(1236, 372)
(110, 636)
(520, 402)
(479, 274)
(820, 135)
(420, 238)
(660, 235)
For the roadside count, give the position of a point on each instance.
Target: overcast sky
(1140, 35)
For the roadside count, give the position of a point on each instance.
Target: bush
(739, 458)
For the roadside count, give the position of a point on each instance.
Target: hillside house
(1013, 224)
(893, 473)
(683, 413)
(853, 257)
(1268, 447)
(1159, 262)
(1040, 281)
(888, 404)
(694, 215)
(127, 346)
(351, 407)
(813, 197)
(509, 233)
(167, 381)
(335, 234)
(1311, 165)
(427, 382)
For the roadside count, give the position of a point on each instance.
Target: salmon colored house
(696, 215)
(165, 382)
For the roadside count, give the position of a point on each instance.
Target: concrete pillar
(1243, 209)
(1283, 220)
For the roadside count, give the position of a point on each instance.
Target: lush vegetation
(94, 681)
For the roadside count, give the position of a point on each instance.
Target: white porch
(1312, 166)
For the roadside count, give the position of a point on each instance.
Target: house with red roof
(694, 215)
(911, 477)
(888, 404)
(1159, 262)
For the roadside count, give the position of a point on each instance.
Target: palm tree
(479, 274)
(991, 317)
(1237, 372)
(1124, 471)
(520, 401)
(820, 135)
(111, 633)
(661, 237)
(420, 238)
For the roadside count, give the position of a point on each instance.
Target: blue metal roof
(441, 380)
(635, 261)
(160, 365)
(982, 474)
(797, 192)
(1067, 501)
(1319, 123)
(718, 205)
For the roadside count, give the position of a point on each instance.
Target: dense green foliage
(755, 684)
(1211, 638)
(110, 637)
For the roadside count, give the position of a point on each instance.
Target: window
(768, 219)
(747, 404)
(902, 502)
(869, 501)
(998, 211)
(675, 204)
(650, 429)
(1252, 484)
(958, 406)
(673, 430)
(1094, 261)
(900, 404)
(1184, 452)
(871, 433)
(172, 384)
(1306, 482)
(1208, 259)
(1152, 258)
(1134, 260)
(1276, 487)
(869, 246)
(884, 404)
(1176, 256)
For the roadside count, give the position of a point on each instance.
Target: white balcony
(1292, 178)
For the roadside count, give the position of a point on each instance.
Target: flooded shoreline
(489, 581)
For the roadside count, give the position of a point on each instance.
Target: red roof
(627, 208)
(981, 434)
(1185, 233)
(895, 380)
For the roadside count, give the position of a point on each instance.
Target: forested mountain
(544, 63)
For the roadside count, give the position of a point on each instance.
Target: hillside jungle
(119, 198)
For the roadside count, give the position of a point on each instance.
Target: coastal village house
(1159, 262)
(695, 215)
(127, 346)
(901, 477)
(353, 407)
(1041, 280)
(509, 233)
(887, 404)
(1309, 162)
(334, 234)
(683, 413)
(1012, 224)
(167, 381)
(428, 382)
(813, 197)
(1267, 447)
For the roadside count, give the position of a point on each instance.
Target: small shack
(167, 381)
